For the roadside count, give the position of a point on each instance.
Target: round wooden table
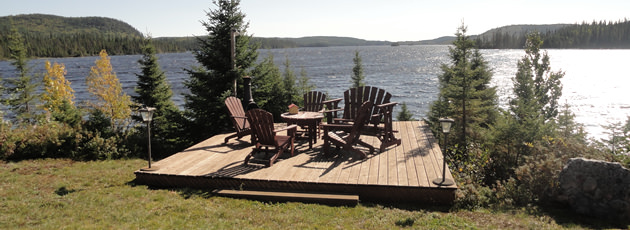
(310, 120)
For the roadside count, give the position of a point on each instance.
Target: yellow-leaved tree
(110, 98)
(56, 87)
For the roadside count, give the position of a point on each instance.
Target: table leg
(312, 129)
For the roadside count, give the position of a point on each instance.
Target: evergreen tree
(289, 78)
(404, 114)
(533, 114)
(536, 91)
(209, 82)
(465, 94)
(269, 88)
(21, 89)
(303, 85)
(568, 128)
(153, 90)
(357, 71)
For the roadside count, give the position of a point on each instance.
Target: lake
(594, 84)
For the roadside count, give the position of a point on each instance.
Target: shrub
(95, 147)
(47, 140)
(536, 179)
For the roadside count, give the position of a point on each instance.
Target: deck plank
(401, 163)
(418, 154)
(410, 147)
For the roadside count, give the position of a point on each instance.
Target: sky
(399, 20)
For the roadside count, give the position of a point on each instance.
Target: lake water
(595, 84)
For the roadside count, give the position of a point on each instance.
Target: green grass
(57, 193)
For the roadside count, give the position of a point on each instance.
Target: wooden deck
(400, 174)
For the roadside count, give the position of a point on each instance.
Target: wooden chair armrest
(239, 117)
(332, 104)
(337, 100)
(391, 104)
(385, 108)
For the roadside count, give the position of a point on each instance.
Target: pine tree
(153, 90)
(213, 80)
(357, 71)
(21, 90)
(110, 98)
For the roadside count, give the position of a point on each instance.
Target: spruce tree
(268, 86)
(289, 78)
(536, 91)
(153, 90)
(465, 94)
(211, 82)
(404, 114)
(304, 85)
(357, 71)
(21, 90)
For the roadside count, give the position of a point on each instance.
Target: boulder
(596, 188)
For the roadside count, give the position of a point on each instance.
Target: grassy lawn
(57, 193)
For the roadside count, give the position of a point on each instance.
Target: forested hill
(49, 24)
(55, 36)
(594, 35)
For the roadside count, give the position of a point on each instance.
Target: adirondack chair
(345, 136)
(266, 137)
(239, 120)
(381, 113)
(313, 101)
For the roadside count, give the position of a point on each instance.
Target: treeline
(55, 36)
(596, 35)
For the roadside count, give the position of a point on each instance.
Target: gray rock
(596, 188)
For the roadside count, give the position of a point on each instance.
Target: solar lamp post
(147, 117)
(446, 124)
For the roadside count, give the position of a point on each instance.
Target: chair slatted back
(261, 122)
(237, 113)
(313, 101)
(354, 98)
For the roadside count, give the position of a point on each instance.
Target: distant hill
(446, 40)
(55, 36)
(335, 41)
(43, 23)
(315, 41)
